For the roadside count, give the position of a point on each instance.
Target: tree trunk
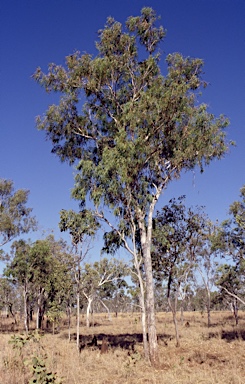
(150, 309)
(182, 312)
(40, 308)
(173, 308)
(68, 311)
(78, 310)
(144, 326)
(142, 305)
(26, 310)
(107, 309)
(235, 310)
(90, 299)
(145, 237)
(208, 308)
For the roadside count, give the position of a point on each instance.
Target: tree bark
(173, 308)
(208, 308)
(78, 308)
(26, 310)
(150, 300)
(90, 299)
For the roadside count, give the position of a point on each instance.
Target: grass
(214, 355)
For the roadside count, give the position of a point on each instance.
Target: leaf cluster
(15, 216)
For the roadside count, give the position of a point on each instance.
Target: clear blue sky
(36, 32)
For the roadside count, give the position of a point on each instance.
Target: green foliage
(78, 225)
(230, 239)
(137, 128)
(40, 373)
(177, 236)
(43, 272)
(15, 217)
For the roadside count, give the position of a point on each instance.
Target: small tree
(100, 279)
(19, 269)
(176, 239)
(9, 297)
(230, 280)
(81, 227)
(230, 241)
(207, 262)
(15, 217)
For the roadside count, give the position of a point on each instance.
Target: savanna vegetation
(161, 315)
(212, 355)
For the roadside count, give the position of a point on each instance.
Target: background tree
(207, 262)
(230, 280)
(63, 288)
(82, 227)
(39, 272)
(9, 298)
(176, 240)
(137, 129)
(19, 269)
(15, 217)
(230, 242)
(100, 280)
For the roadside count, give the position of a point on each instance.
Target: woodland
(136, 131)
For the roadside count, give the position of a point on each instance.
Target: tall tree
(137, 129)
(15, 217)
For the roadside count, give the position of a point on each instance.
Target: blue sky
(37, 32)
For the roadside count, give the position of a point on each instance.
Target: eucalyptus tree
(19, 270)
(177, 238)
(9, 297)
(82, 227)
(15, 216)
(207, 262)
(130, 130)
(36, 268)
(99, 281)
(230, 241)
(231, 237)
(230, 279)
(63, 291)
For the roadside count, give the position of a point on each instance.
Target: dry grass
(214, 355)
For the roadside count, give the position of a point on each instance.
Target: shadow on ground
(125, 341)
(228, 335)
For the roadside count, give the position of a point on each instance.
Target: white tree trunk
(90, 300)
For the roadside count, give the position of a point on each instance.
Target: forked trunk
(146, 237)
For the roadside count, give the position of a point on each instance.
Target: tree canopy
(15, 216)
